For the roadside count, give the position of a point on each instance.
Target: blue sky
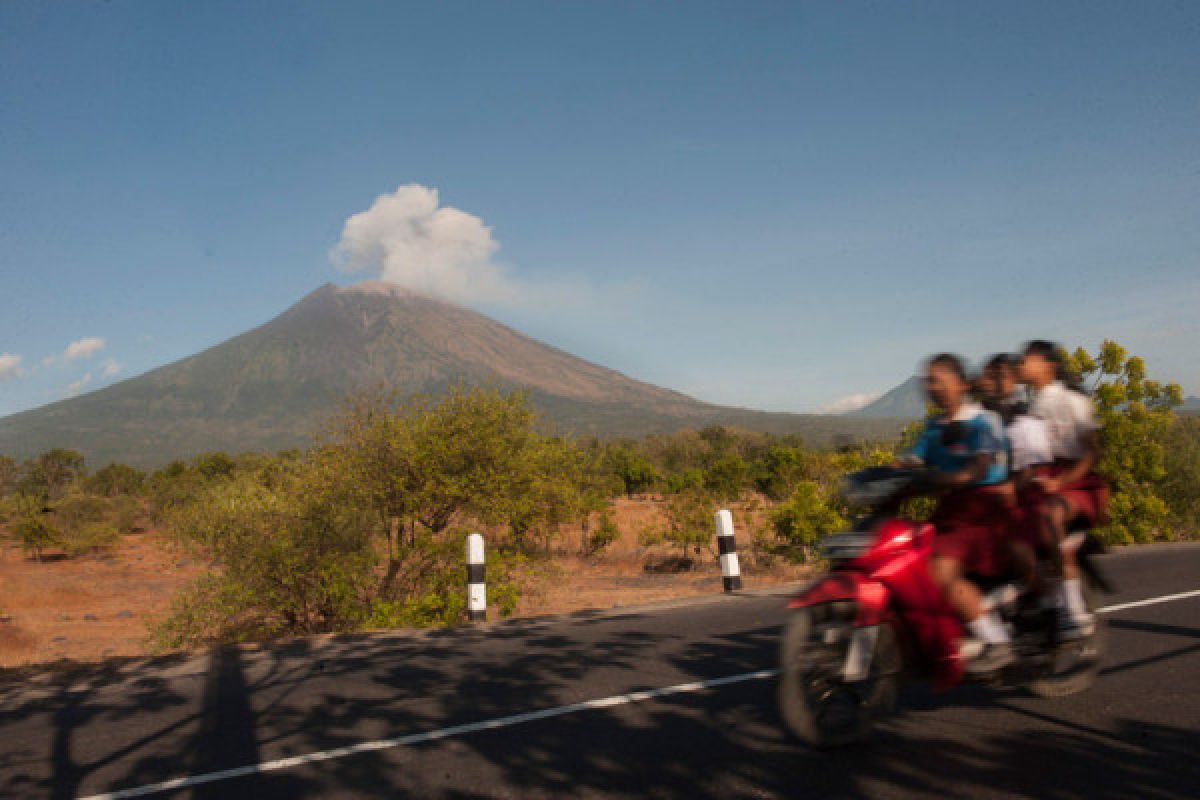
(767, 205)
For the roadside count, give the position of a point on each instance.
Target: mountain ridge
(270, 387)
(905, 401)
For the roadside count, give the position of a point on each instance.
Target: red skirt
(1088, 495)
(968, 524)
(1024, 523)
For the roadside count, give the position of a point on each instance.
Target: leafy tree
(420, 462)
(296, 559)
(810, 514)
(1136, 416)
(370, 443)
(605, 534)
(50, 473)
(727, 476)
(547, 491)
(690, 521)
(1180, 490)
(84, 524)
(173, 488)
(10, 473)
(685, 481)
(214, 465)
(35, 534)
(116, 479)
(474, 448)
(778, 469)
(633, 469)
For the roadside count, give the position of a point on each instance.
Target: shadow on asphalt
(300, 698)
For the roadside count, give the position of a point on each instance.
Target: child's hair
(1047, 350)
(1002, 360)
(1054, 354)
(951, 362)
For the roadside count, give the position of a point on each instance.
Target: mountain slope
(906, 401)
(269, 388)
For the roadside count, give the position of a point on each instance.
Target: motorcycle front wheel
(816, 704)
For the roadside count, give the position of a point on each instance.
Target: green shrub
(10, 474)
(77, 510)
(727, 477)
(295, 560)
(604, 535)
(124, 512)
(36, 534)
(1136, 419)
(634, 471)
(214, 466)
(778, 470)
(116, 479)
(685, 481)
(92, 537)
(810, 514)
(690, 521)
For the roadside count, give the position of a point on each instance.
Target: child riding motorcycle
(1070, 490)
(1029, 456)
(965, 449)
(877, 619)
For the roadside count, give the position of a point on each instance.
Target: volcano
(270, 388)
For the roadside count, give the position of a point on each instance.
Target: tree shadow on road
(319, 694)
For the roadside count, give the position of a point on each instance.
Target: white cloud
(76, 387)
(409, 239)
(851, 402)
(49, 361)
(111, 367)
(83, 348)
(10, 366)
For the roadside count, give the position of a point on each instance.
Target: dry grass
(618, 576)
(47, 602)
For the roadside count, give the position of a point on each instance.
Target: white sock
(988, 628)
(1073, 594)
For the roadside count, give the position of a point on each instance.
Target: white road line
(429, 736)
(499, 722)
(1149, 602)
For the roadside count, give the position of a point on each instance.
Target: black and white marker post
(476, 590)
(731, 573)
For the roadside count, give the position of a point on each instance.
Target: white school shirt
(1029, 443)
(1069, 419)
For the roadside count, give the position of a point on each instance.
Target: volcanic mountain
(906, 401)
(269, 388)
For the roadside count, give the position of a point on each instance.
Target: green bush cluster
(51, 503)
(1139, 428)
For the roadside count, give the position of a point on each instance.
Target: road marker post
(731, 573)
(476, 589)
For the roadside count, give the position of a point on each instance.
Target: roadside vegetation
(365, 529)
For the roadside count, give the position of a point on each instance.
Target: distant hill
(1191, 405)
(906, 401)
(269, 388)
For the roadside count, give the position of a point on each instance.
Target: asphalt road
(1136, 734)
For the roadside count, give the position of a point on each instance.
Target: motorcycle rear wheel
(816, 704)
(1076, 664)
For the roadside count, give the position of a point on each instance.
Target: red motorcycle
(877, 619)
